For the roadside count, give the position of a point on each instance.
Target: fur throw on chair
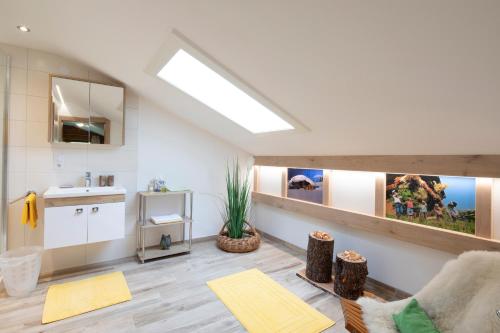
(462, 298)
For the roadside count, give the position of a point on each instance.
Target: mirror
(86, 112)
(70, 104)
(106, 114)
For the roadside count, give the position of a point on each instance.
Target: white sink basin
(57, 192)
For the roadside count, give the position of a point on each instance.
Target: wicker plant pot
(250, 242)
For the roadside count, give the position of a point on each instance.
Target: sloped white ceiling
(367, 77)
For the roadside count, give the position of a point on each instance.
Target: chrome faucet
(88, 180)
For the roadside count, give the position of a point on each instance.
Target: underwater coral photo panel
(305, 184)
(439, 201)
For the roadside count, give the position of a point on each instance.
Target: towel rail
(22, 197)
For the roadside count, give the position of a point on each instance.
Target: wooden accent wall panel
(484, 207)
(327, 197)
(439, 239)
(284, 182)
(89, 200)
(256, 178)
(451, 165)
(380, 195)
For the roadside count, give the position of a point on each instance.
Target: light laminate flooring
(171, 295)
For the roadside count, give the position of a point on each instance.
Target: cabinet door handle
(79, 211)
(95, 209)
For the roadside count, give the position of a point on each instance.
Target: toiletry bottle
(88, 180)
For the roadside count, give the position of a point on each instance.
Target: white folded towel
(162, 219)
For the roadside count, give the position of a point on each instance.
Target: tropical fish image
(305, 184)
(439, 201)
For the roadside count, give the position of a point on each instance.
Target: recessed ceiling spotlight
(23, 28)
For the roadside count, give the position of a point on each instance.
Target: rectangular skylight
(202, 83)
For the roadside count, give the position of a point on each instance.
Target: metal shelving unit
(144, 224)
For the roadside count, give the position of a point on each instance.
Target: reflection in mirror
(106, 114)
(74, 129)
(70, 104)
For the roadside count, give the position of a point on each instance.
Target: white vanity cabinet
(105, 222)
(65, 226)
(82, 218)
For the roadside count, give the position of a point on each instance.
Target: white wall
(400, 264)
(33, 161)
(159, 144)
(188, 158)
(163, 144)
(355, 72)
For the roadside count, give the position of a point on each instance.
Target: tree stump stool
(319, 257)
(350, 274)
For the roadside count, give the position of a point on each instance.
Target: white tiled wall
(32, 160)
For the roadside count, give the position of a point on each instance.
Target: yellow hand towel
(30, 214)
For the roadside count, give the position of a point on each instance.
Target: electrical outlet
(59, 161)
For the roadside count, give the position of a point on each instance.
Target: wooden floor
(171, 295)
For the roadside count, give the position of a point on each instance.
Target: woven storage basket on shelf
(238, 245)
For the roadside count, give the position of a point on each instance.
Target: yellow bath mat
(262, 305)
(77, 297)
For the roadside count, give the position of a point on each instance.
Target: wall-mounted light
(23, 28)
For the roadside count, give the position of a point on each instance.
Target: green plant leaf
(237, 201)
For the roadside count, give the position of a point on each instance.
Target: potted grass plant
(237, 235)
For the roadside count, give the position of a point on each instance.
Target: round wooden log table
(319, 257)
(350, 275)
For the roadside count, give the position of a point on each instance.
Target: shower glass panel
(4, 104)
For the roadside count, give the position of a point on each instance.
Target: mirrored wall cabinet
(86, 112)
